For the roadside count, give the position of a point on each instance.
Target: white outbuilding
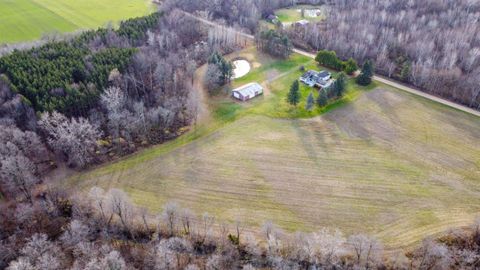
(247, 91)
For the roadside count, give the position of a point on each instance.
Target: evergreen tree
(329, 59)
(225, 67)
(365, 77)
(350, 66)
(63, 76)
(274, 43)
(405, 72)
(339, 85)
(293, 97)
(322, 99)
(310, 102)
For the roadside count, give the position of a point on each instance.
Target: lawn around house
(378, 161)
(277, 75)
(26, 20)
(291, 15)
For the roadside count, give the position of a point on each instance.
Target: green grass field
(25, 20)
(277, 77)
(384, 162)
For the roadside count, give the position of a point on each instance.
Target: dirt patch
(266, 89)
(200, 95)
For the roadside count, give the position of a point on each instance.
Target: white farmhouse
(322, 79)
(302, 22)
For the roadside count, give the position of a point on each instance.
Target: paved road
(376, 77)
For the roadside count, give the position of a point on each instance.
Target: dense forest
(61, 77)
(69, 76)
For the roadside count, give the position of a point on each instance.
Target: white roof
(249, 89)
(303, 22)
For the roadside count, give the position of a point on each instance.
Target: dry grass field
(384, 162)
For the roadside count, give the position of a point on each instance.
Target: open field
(24, 20)
(386, 162)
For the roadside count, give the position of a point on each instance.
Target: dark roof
(323, 74)
(309, 74)
(272, 17)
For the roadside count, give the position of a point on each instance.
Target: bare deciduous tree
(75, 138)
(367, 250)
(432, 255)
(170, 216)
(17, 175)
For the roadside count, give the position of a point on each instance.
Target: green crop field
(380, 161)
(25, 20)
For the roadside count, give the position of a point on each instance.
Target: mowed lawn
(24, 20)
(384, 163)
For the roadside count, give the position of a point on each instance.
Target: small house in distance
(272, 18)
(312, 78)
(302, 22)
(247, 91)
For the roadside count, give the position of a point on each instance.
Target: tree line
(274, 43)
(103, 229)
(329, 59)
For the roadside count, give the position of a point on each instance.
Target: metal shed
(247, 91)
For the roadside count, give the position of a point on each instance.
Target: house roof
(249, 89)
(303, 22)
(315, 75)
(323, 74)
(309, 74)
